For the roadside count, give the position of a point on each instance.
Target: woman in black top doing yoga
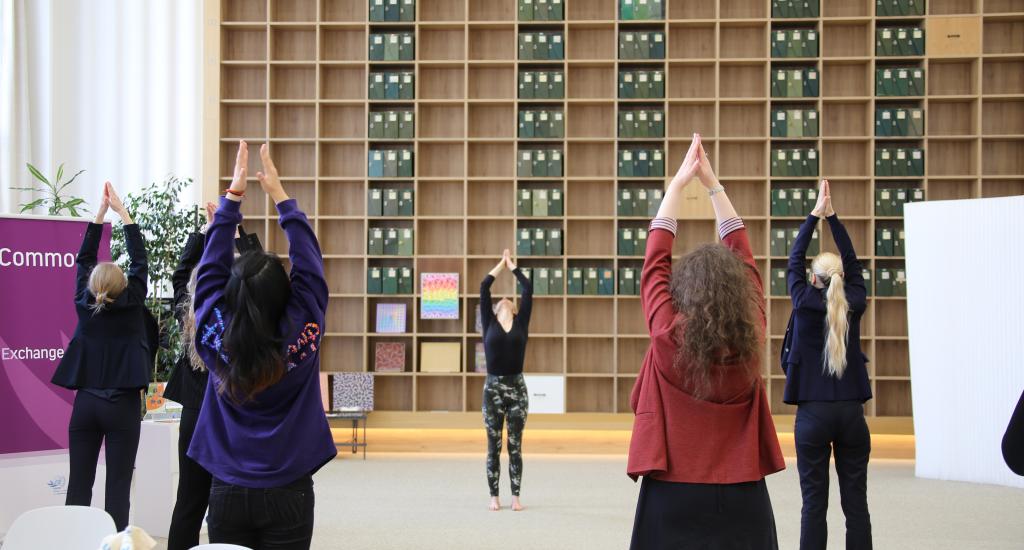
(505, 332)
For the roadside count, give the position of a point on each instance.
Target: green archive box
(654, 202)
(884, 202)
(899, 285)
(778, 242)
(375, 163)
(538, 243)
(627, 242)
(526, 84)
(524, 242)
(406, 125)
(811, 84)
(883, 162)
(796, 201)
(408, 11)
(627, 45)
(405, 281)
(641, 198)
(407, 87)
(375, 242)
(541, 45)
(626, 163)
(406, 204)
(642, 163)
(405, 164)
(555, 202)
(390, 163)
(542, 85)
(556, 284)
(883, 122)
(884, 242)
(378, 10)
(393, 86)
(780, 203)
(779, 166)
(557, 48)
(374, 202)
(405, 242)
(780, 83)
(899, 243)
(541, 278)
(524, 203)
(780, 43)
(866, 273)
(526, 10)
(390, 281)
(390, 241)
(606, 281)
(378, 86)
(641, 241)
(795, 84)
(524, 164)
(554, 163)
(391, 125)
(810, 123)
(627, 84)
(528, 273)
(389, 204)
(591, 281)
(527, 124)
(554, 242)
(779, 123)
(575, 281)
(557, 124)
(657, 163)
(795, 123)
(777, 287)
(627, 10)
(375, 128)
(627, 124)
(542, 124)
(526, 46)
(556, 87)
(884, 282)
(407, 47)
(627, 281)
(625, 201)
(373, 280)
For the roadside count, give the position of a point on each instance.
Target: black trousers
(117, 423)
(193, 490)
(702, 516)
(280, 518)
(824, 428)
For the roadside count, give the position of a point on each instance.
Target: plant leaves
(67, 183)
(27, 207)
(60, 172)
(37, 174)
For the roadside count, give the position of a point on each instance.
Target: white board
(547, 393)
(966, 321)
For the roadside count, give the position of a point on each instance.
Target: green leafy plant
(54, 199)
(165, 223)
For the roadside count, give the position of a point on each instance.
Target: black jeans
(280, 518)
(823, 428)
(193, 490)
(95, 420)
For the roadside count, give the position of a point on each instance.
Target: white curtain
(110, 86)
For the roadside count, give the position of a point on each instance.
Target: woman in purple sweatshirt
(262, 432)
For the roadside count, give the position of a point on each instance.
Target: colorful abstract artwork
(440, 296)
(391, 318)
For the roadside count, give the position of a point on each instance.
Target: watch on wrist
(715, 190)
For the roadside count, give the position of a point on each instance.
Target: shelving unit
(294, 73)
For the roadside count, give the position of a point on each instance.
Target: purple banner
(37, 319)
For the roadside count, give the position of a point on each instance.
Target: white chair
(220, 547)
(65, 527)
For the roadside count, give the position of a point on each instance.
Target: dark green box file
(810, 163)
(524, 244)
(866, 273)
(526, 10)
(374, 203)
(916, 125)
(408, 11)
(780, 203)
(389, 163)
(778, 285)
(625, 201)
(575, 281)
(641, 241)
(627, 124)
(556, 50)
(375, 242)
(885, 41)
(883, 242)
(627, 10)
(916, 162)
(390, 203)
(373, 281)
(627, 281)
(899, 285)
(778, 242)
(780, 83)
(779, 163)
(645, 85)
(538, 243)
(795, 83)
(526, 85)
(542, 85)
(810, 123)
(657, 45)
(541, 45)
(641, 163)
(405, 164)
(406, 125)
(627, 85)
(811, 85)
(779, 123)
(557, 124)
(884, 202)
(640, 201)
(555, 203)
(541, 281)
(657, 163)
(556, 10)
(795, 123)
(527, 124)
(378, 47)
(780, 43)
(542, 124)
(375, 164)
(524, 203)
(554, 164)
(590, 281)
(528, 273)
(407, 47)
(405, 242)
(407, 86)
(626, 163)
(378, 10)
(390, 241)
(526, 46)
(796, 201)
(883, 162)
(541, 10)
(405, 203)
(627, 242)
(654, 202)
(405, 281)
(393, 86)
(377, 86)
(899, 241)
(628, 48)
(556, 281)
(391, 281)
(375, 129)
(884, 282)
(883, 122)
(556, 87)
(390, 125)
(554, 242)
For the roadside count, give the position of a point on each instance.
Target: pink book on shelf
(389, 357)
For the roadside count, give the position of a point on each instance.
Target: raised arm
(307, 274)
(655, 277)
(138, 265)
(215, 265)
(852, 269)
(486, 311)
(731, 229)
(796, 270)
(526, 297)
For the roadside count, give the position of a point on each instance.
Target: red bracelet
(236, 193)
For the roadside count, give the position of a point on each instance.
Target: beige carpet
(422, 501)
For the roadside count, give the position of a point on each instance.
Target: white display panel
(547, 394)
(965, 269)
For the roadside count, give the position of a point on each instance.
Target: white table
(156, 477)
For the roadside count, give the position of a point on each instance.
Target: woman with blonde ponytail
(827, 379)
(108, 362)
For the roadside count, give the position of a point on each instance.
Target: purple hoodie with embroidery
(282, 433)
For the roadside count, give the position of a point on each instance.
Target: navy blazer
(803, 350)
(115, 347)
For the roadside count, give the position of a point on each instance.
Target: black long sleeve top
(186, 385)
(505, 351)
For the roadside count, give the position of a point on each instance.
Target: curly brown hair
(718, 328)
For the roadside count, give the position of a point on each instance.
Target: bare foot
(495, 505)
(516, 506)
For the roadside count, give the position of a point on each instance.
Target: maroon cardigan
(727, 438)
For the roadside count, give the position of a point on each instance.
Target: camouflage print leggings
(505, 397)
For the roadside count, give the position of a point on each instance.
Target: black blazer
(186, 385)
(803, 350)
(113, 348)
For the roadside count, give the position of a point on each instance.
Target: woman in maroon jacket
(703, 435)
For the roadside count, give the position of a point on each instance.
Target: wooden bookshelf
(294, 73)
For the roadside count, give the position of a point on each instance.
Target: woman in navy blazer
(827, 379)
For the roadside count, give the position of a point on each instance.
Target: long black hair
(256, 297)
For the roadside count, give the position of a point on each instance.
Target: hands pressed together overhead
(823, 208)
(504, 263)
(695, 165)
(268, 178)
(110, 200)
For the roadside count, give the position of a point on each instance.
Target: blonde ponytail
(829, 269)
(106, 283)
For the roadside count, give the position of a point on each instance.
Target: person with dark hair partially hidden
(827, 379)
(1013, 440)
(703, 435)
(108, 361)
(262, 432)
(505, 399)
